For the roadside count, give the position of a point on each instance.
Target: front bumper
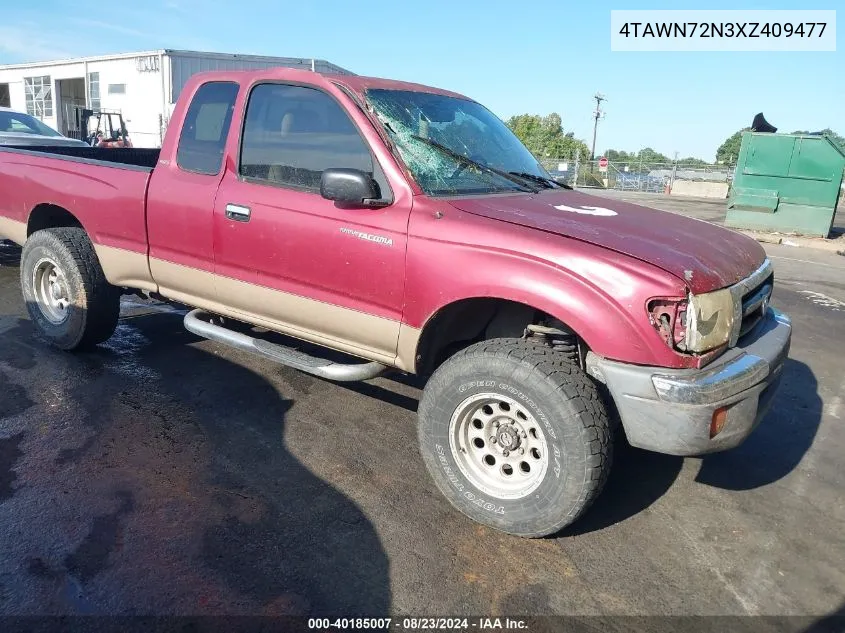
(670, 411)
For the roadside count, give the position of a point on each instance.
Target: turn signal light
(720, 416)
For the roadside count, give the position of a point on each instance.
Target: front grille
(751, 299)
(754, 305)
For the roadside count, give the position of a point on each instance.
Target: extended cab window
(203, 138)
(292, 134)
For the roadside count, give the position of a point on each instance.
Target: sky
(514, 57)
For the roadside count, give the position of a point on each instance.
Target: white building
(142, 86)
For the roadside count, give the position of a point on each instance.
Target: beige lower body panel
(126, 268)
(121, 267)
(12, 230)
(364, 335)
(406, 352)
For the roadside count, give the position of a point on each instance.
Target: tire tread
(571, 383)
(102, 300)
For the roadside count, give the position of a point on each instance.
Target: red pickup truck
(406, 227)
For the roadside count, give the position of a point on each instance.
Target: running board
(197, 321)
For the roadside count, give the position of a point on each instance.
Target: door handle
(238, 213)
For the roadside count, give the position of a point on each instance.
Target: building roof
(296, 61)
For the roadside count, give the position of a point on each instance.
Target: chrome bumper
(670, 411)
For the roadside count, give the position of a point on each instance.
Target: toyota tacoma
(404, 227)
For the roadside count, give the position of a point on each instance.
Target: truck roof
(356, 83)
(361, 84)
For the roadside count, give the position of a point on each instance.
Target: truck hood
(705, 256)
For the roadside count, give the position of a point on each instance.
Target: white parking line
(806, 261)
(834, 406)
(823, 300)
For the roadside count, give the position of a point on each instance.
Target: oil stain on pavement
(10, 453)
(91, 556)
(13, 398)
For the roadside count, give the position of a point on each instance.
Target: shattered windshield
(454, 146)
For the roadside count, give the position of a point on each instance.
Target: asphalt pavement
(165, 474)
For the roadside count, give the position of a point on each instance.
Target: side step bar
(197, 321)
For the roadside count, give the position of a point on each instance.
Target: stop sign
(603, 161)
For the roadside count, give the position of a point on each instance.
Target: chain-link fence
(634, 175)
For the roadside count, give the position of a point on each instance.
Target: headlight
(710, 318)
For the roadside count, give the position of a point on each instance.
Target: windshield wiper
(471, 163)
(541, 179)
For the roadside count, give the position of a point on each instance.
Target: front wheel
(515, 436)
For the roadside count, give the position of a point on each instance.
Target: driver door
(286, 256)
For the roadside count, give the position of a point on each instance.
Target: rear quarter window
(203, 138)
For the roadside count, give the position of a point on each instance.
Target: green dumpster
(789, 183)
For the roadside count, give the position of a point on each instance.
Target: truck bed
(104, 190)
(135, 157)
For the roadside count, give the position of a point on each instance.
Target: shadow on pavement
(778, 444)
(389, 395)
(10, 253)
(773, 450)
(637, 479)
(832, 623)
(190, 449)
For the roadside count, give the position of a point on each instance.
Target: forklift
(104, 128)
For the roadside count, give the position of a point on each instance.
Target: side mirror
(349, 187)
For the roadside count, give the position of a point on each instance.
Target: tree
(649, 155)
(622, 156)
(645, 160)
(691, 161)
(545, 138)
(728, 151)
(836, 138)
(650, 158)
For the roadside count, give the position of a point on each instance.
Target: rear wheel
(516, 436)
(66, 293)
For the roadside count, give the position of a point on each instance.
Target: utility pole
(640, 173)
(596, 116)
(577, 166)
(674, 170)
